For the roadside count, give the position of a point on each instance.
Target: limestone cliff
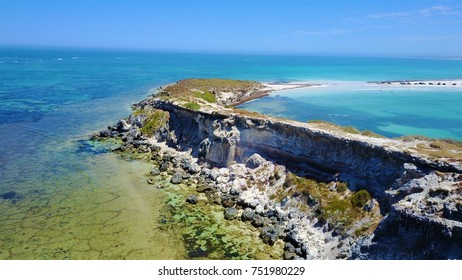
(419, 193)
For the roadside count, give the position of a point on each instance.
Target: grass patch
(339, 211)
(362, 230)
(350, 129)
(347, 129)
(206, 89)
(206, 96)
(436, 148)
(154, 120)
(411, 138)
(192, 105)
(371, 134)
(341, 187)
(335, 207)
(440, 149)
(360, 198)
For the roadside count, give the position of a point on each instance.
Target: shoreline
(270, 87)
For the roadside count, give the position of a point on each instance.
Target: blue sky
(371, 28)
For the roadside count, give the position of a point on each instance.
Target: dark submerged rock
(231, 213)
(258, 221)
(192, 199)
(228, 200)
(247, 215)
(177, 178)
(164, 166)
(269, 235)
(154, 171)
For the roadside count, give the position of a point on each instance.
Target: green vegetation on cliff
(192, 105)
(436, 148)
(347, 129)
(213, 95)
(330, 203)
(155, 119)
(205, 89)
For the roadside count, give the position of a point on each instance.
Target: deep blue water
(52, 99)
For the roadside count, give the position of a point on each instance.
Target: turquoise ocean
(62, 198)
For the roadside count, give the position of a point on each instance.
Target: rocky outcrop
(221, 139)
(419, 196)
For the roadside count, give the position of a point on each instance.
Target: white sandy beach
(286, 86)
(358, 85)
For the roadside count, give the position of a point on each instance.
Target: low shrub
(192, 105)
(360, 198)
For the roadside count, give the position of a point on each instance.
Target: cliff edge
(325, 191)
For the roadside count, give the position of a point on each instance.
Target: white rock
(259, 209)
(222, 180)
(224, 172)
(248, 198)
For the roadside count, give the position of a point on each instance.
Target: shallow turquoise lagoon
(393, 112)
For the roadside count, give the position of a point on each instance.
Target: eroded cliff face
(232, 137)
(391, 174)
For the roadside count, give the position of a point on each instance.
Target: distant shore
(358, 85)
(365, 85)
(284, 86)
(422, 83)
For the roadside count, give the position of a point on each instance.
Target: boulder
(144, 149)
(205, 172)
(255, 161)
(105, 133)
(247, 215)
(164, 166)
(177, 178)
(224, 172)
(213, 198)
(137, 120)
(167, 157)
(194, 168)
(123, 126)
(258, 221)
(247, 198)
(203, 188)
(192, 199)
(234, 192)
(269, 235)
(228, 200)
(154, 171)
(185, 164)
(176, 161)
(214, 173)
(155, 149)
(259, 209)
(289, 255)
(131, 135)
(231, 213)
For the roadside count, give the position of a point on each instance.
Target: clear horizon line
(225, 52)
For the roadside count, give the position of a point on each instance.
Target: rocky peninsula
(319, 190)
